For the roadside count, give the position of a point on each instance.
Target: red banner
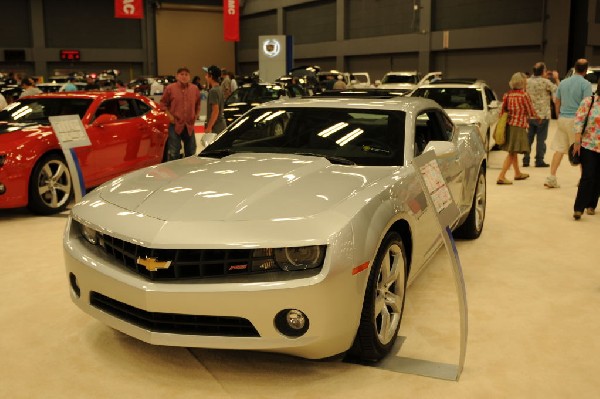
(129, 9)
(231, 20)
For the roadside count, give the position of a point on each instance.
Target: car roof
(406, 104)
(458, 82)
(87, 95)
(403, 73)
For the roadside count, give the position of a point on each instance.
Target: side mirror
(441, 148)
(103, 119)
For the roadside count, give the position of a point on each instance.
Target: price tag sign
(70, 131)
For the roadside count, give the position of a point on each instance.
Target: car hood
(398, 86)
(240, 187)
(16, 133)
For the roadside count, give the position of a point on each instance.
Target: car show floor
(532, 283)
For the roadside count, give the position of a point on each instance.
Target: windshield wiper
(220, 153)
(330, 158)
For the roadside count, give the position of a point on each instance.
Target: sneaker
(551, 182)
(577, 215)
(590, 211)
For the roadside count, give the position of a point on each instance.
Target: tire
(383, 303)
(473, 225)
(50, 185)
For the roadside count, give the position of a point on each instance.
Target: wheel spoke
(47, 171)
(385, 268)
(43, 189)
(65, 188)
(394, 301)
(385, 325)
(379, 304)
(60, 171)
(54, 201)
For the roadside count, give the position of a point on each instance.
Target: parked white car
(469, 101)
(296, 231)
(406, 81)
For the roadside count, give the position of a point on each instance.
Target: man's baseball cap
(213, 71)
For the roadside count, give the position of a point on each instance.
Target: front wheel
(384, 302)
(50, 186)
(473, 225)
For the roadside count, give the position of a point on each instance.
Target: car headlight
(89, 234)
(299, 258)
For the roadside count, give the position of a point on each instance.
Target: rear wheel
(50, 185)
(384, 302)
(473, 225)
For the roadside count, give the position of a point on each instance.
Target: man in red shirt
(181, 101)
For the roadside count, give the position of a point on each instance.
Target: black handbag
(575, 159)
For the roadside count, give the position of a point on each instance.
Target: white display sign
(70, 131)
(274, 57)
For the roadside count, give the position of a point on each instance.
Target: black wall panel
(15, 28)
(364, 18)
(459, 14)
(311, 23)
(78, 24)
(254, 26)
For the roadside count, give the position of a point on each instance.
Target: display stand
(440, 199)
(71, 134)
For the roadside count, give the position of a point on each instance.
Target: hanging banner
(231, 20)
(129, 9)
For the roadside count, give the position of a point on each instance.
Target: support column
(38, 36)
(424, 12)
(340, 33)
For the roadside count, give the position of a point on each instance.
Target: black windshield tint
(365, 137)
(39, 109)
(412, 79)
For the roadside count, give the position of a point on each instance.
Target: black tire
(50, 185)
(383, 304)
(473, 225)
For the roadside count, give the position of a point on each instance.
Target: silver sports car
(296, 231)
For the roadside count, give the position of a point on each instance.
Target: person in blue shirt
(570, 93)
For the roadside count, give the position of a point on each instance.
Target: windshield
(453, 98)
(39, 109)
(347, 136)
(412, 79)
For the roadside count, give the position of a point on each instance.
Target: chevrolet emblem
(153, 264)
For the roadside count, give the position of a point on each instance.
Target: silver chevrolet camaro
(296, 231)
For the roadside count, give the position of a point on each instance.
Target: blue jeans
(539, 129)
(174, 143)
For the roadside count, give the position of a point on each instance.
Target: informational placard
(440, 199)
(71, 134)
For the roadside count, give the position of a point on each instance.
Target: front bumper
(332, 301)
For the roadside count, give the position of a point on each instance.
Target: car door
(115, 144)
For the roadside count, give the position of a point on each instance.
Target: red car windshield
(39, 109)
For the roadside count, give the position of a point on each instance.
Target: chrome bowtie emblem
(153, 264)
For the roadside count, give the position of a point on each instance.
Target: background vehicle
(299, 239)
(468, 101)
(249, 95)
(127, 132)
(406, 81)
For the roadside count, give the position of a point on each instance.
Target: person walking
(587, 145)
(520, 110)
(569, 95)
(225, 84)
(540, 91)
(181, 101)
(215, 121)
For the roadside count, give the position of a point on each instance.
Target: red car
(127, 132)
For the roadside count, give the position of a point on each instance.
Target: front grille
(189, 263)
(173, 322)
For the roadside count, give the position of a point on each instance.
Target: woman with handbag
(517, 104)
(587, 146)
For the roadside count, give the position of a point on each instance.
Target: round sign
(271, 47)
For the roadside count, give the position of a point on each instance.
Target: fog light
(291, 322)
(2, 188)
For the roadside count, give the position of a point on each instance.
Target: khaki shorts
(565, 136)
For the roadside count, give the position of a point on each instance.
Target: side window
(108, 107)
(142, 107)
(126, 108)
(489, 95)
(431, 125)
